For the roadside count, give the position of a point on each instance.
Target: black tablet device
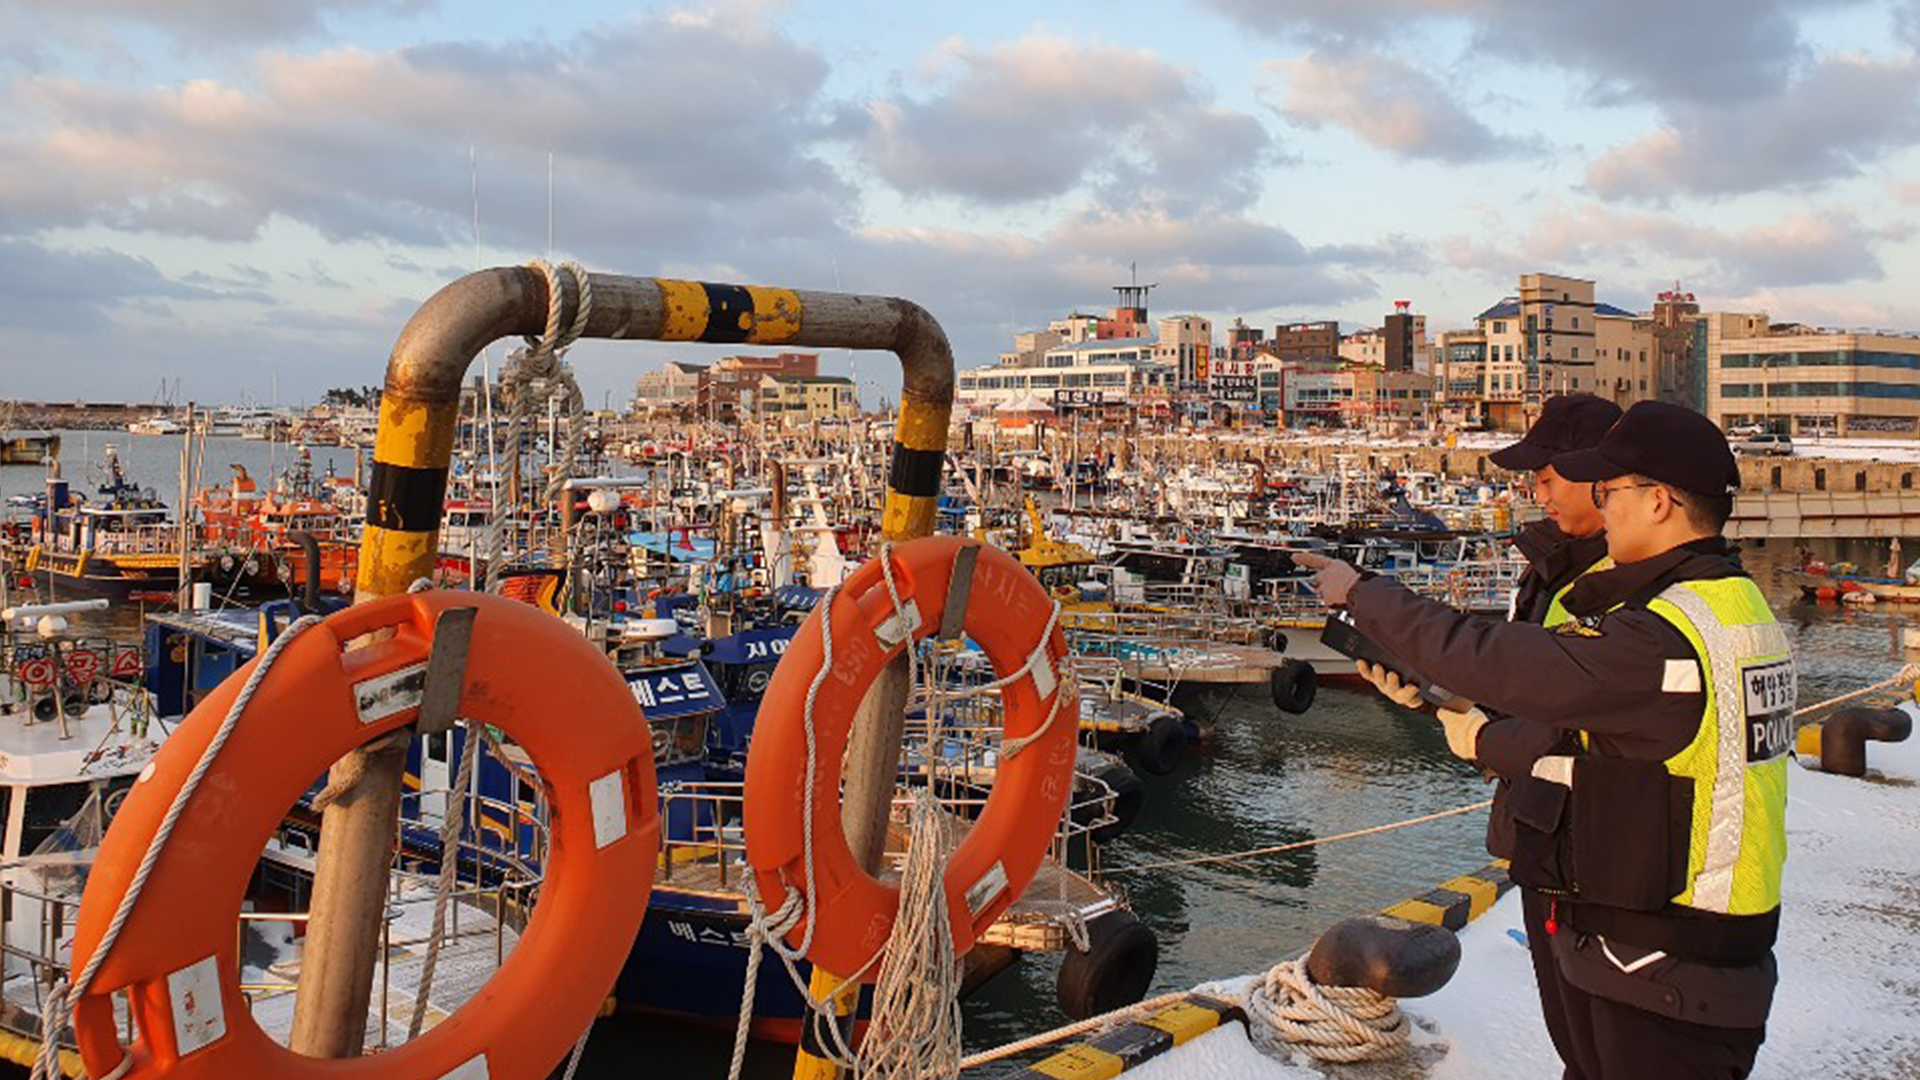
(1343, 637)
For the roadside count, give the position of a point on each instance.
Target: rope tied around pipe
(533, 377)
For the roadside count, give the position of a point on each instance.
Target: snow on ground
(1849, 1001)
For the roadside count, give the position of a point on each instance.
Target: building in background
(1624, 354)
(1399, 344)
(1548, 338)
(1186, 344)
(1460, 390)
(1679, 350)
(673, 388)
(1244, 341)
(1029, 348)
(1807, 382)
(1354, 396)
(801, 398)
(1109, 371)
(732, 383)
(1307, 340)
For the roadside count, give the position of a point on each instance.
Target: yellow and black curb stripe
(1126, 1046)
(1458, 901)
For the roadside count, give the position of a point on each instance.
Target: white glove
(1463, 731)
(1404, 694)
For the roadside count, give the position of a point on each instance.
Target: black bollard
(1389, 956)
(1843, 737)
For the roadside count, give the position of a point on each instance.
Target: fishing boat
(126, 543)
(1843, 582)
(76, 728)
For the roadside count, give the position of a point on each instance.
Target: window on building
(1819, 479)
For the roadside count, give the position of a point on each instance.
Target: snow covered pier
(1849, 954)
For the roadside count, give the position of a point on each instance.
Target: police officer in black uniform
(1655, 825)
(1560, 549)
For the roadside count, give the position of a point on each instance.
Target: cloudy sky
(251, 196)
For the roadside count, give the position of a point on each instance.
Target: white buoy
(602, 501)
(51, 626)
(202, 595)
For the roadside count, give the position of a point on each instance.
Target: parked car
(1765, 444)
(1742, 431)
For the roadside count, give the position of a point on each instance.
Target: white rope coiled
(914, 1033)
(1340, 1024)
(58, 1013)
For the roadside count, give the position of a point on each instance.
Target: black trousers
(1602, 1039)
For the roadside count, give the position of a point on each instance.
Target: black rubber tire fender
(1294, 687)
(1129, 794)
(1115, 971)
(1157, 751)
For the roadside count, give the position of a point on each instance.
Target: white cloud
(1039, 117)
(1657, 50)
(667, 129)
(1387, 103)
(198, 24)
(1813, 247)
(1844, 112)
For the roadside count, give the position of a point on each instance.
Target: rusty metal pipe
(412, 453)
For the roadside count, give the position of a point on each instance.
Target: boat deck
(474, 946)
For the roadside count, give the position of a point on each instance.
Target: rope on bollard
(1286, 1010)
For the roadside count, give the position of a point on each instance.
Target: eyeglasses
(1601, 491)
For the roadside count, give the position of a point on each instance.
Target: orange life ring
(1006, 609)
(315, 704)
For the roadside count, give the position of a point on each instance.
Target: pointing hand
(1332, 579)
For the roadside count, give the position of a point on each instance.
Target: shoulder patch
(1583, 626)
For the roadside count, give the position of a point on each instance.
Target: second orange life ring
(1006, 611)
(527, 674)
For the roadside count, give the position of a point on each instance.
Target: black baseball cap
(1669, 443)
(1566, 422)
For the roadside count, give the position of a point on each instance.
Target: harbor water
(1351, 762)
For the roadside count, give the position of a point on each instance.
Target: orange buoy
(1007, 609)
(527, 674)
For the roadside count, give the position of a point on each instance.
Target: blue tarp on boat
(674, 545)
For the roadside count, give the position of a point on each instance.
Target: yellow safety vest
(1557, 612)
(1737, 761)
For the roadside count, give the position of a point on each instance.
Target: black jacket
(1509, 747)
(1603, 674)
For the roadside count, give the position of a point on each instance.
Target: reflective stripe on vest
(1557, 612)
(1738, 758)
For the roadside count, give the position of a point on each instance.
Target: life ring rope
(60, 999)
(770, 929)
(137, 933)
